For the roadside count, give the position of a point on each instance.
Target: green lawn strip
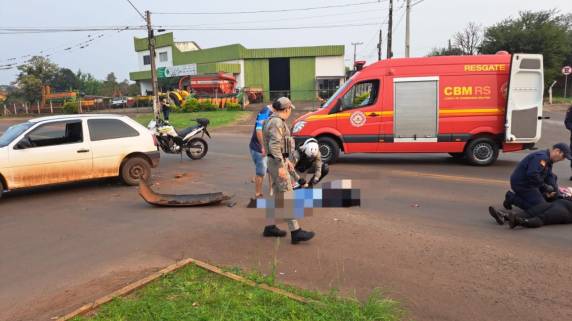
(183, 120)
(195, 294)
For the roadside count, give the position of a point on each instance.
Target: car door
(111, 140)
(525, 98)
(52, 152)
(359, 116)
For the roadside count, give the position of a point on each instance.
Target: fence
(28, 109)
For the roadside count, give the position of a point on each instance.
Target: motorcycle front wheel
(197, 148)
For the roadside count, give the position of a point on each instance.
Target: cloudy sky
(432, 23)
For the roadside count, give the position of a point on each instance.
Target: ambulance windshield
(337, 93)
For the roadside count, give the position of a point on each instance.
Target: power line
(269, 11)
(275, 28)
(312, 17)
(134, 7)
(416, 3)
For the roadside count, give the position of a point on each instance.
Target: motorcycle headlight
(298, 126)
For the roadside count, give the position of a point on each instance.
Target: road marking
(476, 180)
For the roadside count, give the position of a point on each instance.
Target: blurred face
(285, 114)
(556, 155)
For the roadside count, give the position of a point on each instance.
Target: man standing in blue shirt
(257, 151)
(532, 182)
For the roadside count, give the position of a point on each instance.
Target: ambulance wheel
(329, 149)
(482, 151)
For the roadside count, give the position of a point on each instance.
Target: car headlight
(298, 126)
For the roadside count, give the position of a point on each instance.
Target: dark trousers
(166, 112)
(526, 198)
(557, 212)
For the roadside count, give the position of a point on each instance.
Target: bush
(71, 107)
(207, 105)
(191, 105)
(233, 106)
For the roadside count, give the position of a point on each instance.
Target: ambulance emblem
(357, 119)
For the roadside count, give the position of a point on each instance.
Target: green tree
(543, 32)
(38, 71)
(109, 86)
(65, 80)
(88, 85)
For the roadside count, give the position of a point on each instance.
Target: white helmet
(311, 148)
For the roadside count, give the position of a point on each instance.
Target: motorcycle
(174, 141)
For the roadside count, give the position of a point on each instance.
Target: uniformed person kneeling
(307, 159)
(533, 180)
(278, 143)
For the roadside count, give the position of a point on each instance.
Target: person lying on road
(557, 212)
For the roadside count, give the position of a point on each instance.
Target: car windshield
(13, 132)
(335, 95)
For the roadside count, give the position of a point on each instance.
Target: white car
(61, 149)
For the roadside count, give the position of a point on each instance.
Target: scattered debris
(415, 205)
(172, 200)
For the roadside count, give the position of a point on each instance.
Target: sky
(433, 22)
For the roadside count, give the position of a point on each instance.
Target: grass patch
(182, 120)
(562, 100)
(195, 294)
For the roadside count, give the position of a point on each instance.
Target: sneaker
(507, 204)
(300, 235)
(273, 231)
(497, 215)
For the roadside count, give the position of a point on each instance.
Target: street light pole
(151, 43)
(390, 30)
(355, 44)
(407, 27)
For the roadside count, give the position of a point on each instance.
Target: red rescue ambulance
(467, 106)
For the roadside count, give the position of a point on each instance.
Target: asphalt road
(423, 236)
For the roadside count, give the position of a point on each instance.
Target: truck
(470, 107)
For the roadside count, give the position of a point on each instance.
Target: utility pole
(151, 42)
(355, 44)
(389, 30)
(407, 27)
(379, 46)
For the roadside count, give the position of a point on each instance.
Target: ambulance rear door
(525, 97)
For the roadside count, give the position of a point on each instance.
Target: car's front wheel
(135, 170)
(1, 188)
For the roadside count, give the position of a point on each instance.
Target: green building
(299, 72)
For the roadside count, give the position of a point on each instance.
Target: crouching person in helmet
(307, 159)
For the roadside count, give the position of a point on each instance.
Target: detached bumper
(154, 156)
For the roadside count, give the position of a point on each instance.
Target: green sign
(161, 72)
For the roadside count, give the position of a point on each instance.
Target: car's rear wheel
(1, 188)
(329, 149)
(482, 151)
(135, 170)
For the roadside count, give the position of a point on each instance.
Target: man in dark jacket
(532, 181)
(568, 124)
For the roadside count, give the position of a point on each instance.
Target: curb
(171, 268)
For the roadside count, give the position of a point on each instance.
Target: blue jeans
(260, 162)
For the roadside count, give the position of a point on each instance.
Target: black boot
(499, 216)
(300, 235)
(273, 231)
(515, 220)
(507, 204)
